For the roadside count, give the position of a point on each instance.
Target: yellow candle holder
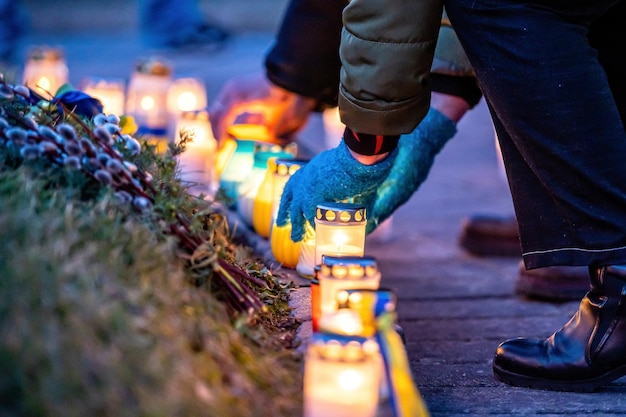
(267, 199)
(249, 187)
(341, 377)
(339, 230)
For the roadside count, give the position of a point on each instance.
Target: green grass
(101, 314)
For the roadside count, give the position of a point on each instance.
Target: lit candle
(186, 94)
(110, 92)
(339, 273)
(368, 305)
(147, 99)
(339, 230)
(250, 185)
(341, 377)
(343, 321)
(45, 70)
(197, 163)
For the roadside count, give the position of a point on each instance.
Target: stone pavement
(454, 308)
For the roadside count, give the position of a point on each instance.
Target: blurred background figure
(177, 24)
(15, 23)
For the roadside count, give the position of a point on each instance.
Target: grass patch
(105, 310)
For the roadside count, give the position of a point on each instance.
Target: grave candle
(197, 163)
(340, 273)
(267, 199)
(249, 187)
(186, 94)
(285, 250)
(339, 230)
(341, 377)
(147, 99)
(110, 92)
(45, 70)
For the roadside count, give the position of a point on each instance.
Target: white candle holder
(341, 377)
(197, 163)
(186, 94)
(339, 230)
(110, 91)
(45, 70)
(306, 262)
(147, 96)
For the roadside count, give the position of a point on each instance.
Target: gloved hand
(416, 153)
(280, 112)
(331, 176)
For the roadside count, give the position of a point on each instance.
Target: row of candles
(161, 104)
(344, 368)
(345, 372)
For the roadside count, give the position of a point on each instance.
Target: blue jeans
(15, 22)
(552, 74)
(165, 21)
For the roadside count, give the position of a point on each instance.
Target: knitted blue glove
(416, 153)
(331, 176)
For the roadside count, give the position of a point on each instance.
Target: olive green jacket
(386, 52)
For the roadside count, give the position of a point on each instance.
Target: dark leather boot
(587, 353)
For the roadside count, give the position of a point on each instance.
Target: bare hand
(254, 99)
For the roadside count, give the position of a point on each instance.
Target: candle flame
(340, 239)
(147, 103)
(350, 380)
(44, 83)
(187, 101)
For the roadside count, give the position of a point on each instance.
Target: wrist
(368, 159)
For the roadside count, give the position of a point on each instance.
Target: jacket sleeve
(386, 53)
(305, 56)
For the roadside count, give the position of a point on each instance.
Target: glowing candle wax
(197, 163)
(45, 70)
(110, 92)
(341, 377)
(147, 98)
(339, 230)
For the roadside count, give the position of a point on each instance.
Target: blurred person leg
(489, 235)
(177, 24)
(15, 22)
(559, 125)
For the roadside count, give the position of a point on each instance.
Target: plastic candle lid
(341, 213)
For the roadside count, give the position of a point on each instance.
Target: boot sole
(587, 385)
